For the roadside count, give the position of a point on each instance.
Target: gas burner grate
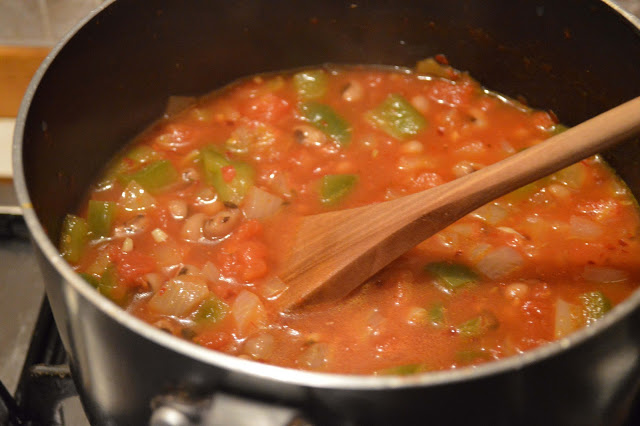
(45, 381)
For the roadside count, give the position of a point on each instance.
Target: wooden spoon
(335, 252)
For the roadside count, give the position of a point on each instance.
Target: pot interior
(105, 85)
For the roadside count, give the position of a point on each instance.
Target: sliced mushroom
(221, 224)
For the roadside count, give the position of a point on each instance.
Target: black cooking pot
(111, 77)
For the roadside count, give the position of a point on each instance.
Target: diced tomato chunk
(244, 255)
(267, 108)
(228, 173)
(131, 265)
(213, 339)
(542, 119)
(459, 93)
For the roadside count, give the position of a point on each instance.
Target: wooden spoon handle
(337, 251)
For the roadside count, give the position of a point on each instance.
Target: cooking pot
(111, 77)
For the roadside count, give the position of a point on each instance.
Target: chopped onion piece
(463, 229)
(479, 251)
(412, 147)
(273, 287)
(517, 290)
(500, 262)
(511, 231)
(159, 235)
(315, 356)
(135, 198)
(179, 296)
(565, 321)
(375, 323)
(211, 272)
(573, 176)
(167, 255)
(466, 167)
(603, 274)
(585, 229)
(491, 213)
(127, 245)
(259, 347)
(260, 204)
(417, 315)
(248, 312)
(507, 147)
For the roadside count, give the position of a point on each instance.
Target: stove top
(28, 336)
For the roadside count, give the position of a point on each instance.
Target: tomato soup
(185, 228)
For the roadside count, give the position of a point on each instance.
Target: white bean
(178, 209)
(308, 135)
(516, 291)
(221, 224)
(132, 226)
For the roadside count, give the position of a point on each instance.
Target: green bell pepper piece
(397, 117)
(155, 177)
(107, 285)
(128, 162)
(73, 237)
(91, 279)
(233, 191)
(559, 128)
(100, 217)
(478, 326)
(594, 305)
(471, 355)
(328, 121)
(432, 67)
(211, 310)
(436, 314)
(451, 275)
(403, 370)
(311, 84)
(141, 154)
(334, 188)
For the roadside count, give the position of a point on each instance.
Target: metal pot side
(110, 78)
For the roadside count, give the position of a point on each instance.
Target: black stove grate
(45, 381)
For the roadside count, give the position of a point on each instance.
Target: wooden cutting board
(17, 66)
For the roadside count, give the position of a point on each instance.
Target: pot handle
(222, 409)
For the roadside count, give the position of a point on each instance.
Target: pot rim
(253, 368)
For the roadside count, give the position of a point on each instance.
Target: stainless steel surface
(21, 292)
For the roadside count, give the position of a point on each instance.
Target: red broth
(185, 229)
